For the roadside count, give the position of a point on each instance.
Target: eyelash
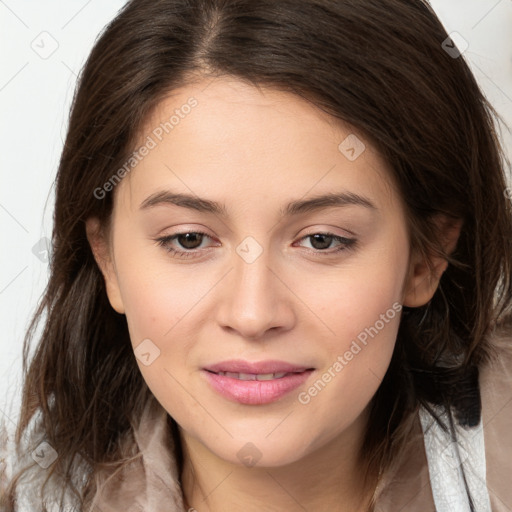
(345, 244)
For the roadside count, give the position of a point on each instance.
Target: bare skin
(254, 151)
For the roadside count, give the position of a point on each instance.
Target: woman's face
(265, 283)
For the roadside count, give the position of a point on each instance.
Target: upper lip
(257, 367)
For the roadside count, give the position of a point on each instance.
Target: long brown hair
(379, 66)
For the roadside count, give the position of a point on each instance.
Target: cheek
(366, 322)
(356, 361)
(155, 297)
(361, 300)
(164, 312)
(156, 308)
(360, 312)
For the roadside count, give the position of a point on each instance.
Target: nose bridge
(252, 300)
(252, 287)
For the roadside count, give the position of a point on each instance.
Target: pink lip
(254, 392)
(241, 366)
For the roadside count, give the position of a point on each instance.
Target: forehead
(226, 138)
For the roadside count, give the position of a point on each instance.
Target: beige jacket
(414, 485)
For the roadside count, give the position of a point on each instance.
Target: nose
(255, 299)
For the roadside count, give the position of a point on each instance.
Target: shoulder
(406, 483)
(25, 473)
(496, 378)
(427, 469)
(496, 393)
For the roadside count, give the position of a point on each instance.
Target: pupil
(320, 237)
(189, 239)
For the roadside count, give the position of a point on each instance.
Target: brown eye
(188, 243)
(322, 241)
(189, 240)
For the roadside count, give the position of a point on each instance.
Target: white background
(35, 97)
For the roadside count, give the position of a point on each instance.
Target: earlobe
(100, 248)
(425, 273)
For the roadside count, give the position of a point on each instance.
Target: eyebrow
(293, 208)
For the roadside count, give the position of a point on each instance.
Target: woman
(281, 274)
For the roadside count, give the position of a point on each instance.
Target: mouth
(254, 376)
(268, 367)
(255, 383)
(257, 376)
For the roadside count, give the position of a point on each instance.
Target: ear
(101, 249)
(425, 273)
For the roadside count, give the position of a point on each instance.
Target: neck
(328, 478)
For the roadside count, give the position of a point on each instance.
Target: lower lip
(256, 392)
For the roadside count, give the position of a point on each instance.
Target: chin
(260, 452)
